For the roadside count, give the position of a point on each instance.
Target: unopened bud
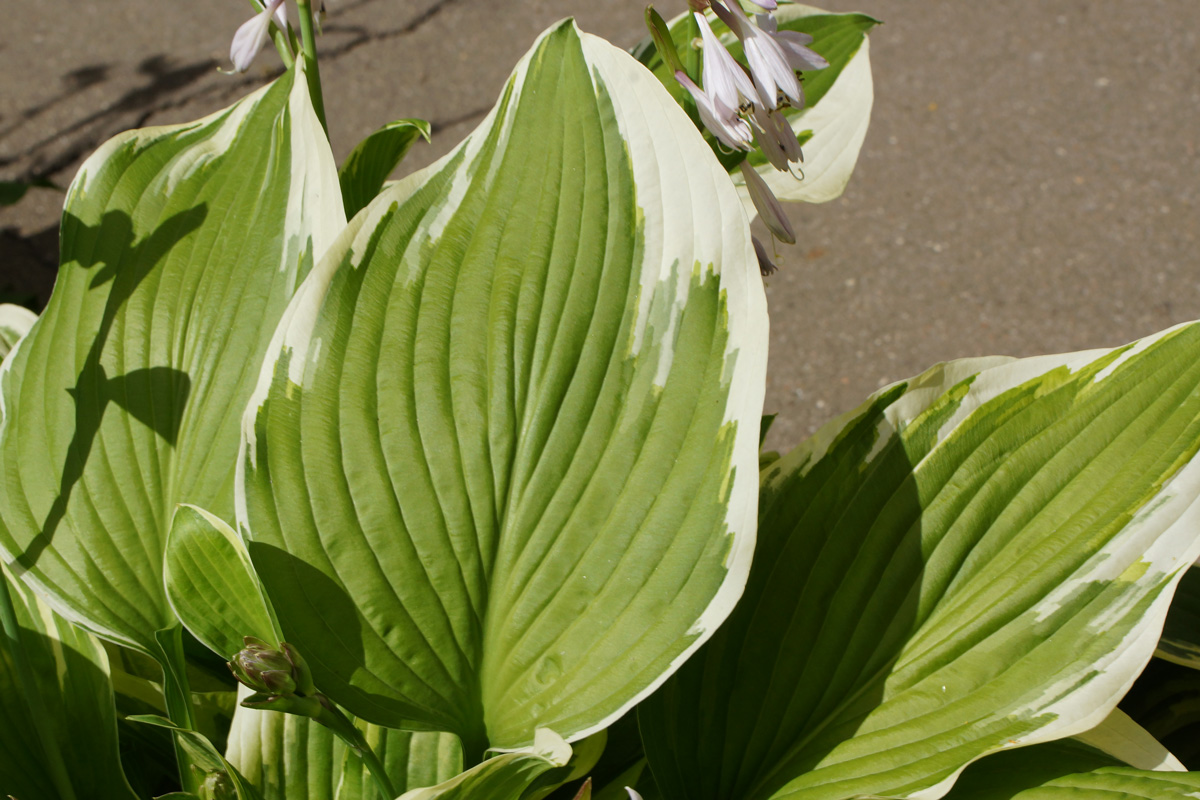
(271, 672)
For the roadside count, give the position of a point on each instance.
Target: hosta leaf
(181, 246)
(502, 473)
(1132, 745)
(1180, 641)
(292, 758)
(975, 559)
(58, 726)
(522, 775)
(1068, 770)
(369, 164)
(15, 322)
(1166, 700)
(211, 583)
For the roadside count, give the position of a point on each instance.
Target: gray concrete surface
(1030, 182)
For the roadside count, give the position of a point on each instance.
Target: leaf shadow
(155, 396)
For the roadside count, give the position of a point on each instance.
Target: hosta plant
(316, 485)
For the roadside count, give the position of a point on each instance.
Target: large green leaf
(975, 559)
(502, 474)
(58, 725)
(292, 758)
(181, 247)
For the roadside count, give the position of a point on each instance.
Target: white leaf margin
(672, 166)
(1160, 542)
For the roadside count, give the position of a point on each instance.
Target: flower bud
(270, 672)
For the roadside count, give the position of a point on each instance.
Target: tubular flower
(769, 66)
(720, 119)
(768, 205)
(793, 44)
(253, 34)
(777, 139)
(723, 78)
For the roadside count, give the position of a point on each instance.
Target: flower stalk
(282, 682)
(308, 45)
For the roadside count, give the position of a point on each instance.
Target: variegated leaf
(181, 247)
(502, 472)
(975, 559)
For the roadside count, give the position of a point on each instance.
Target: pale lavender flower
(768, 205)
(769, 66)
(766, 266)
(776, 138)
(720, 119)
(723, 78)
(253, 34)
(793, 44)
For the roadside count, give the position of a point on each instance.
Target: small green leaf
(211, 583)
(369, 164)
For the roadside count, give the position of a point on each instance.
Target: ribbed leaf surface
(975, 559)
(502, 473)
(292, 758)
(73, 696)
(181, 247)
(1105, 783)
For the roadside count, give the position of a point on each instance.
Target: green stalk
(309, 46)
(331, 717)
(33, 697)
(178, 695)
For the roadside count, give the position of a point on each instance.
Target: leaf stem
(178, 694)
(33, 697)
(309, 47)
(331, 717)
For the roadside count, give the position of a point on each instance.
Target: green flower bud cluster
(280, 678)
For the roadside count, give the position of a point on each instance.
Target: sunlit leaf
(502, 472)
(976, 559)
